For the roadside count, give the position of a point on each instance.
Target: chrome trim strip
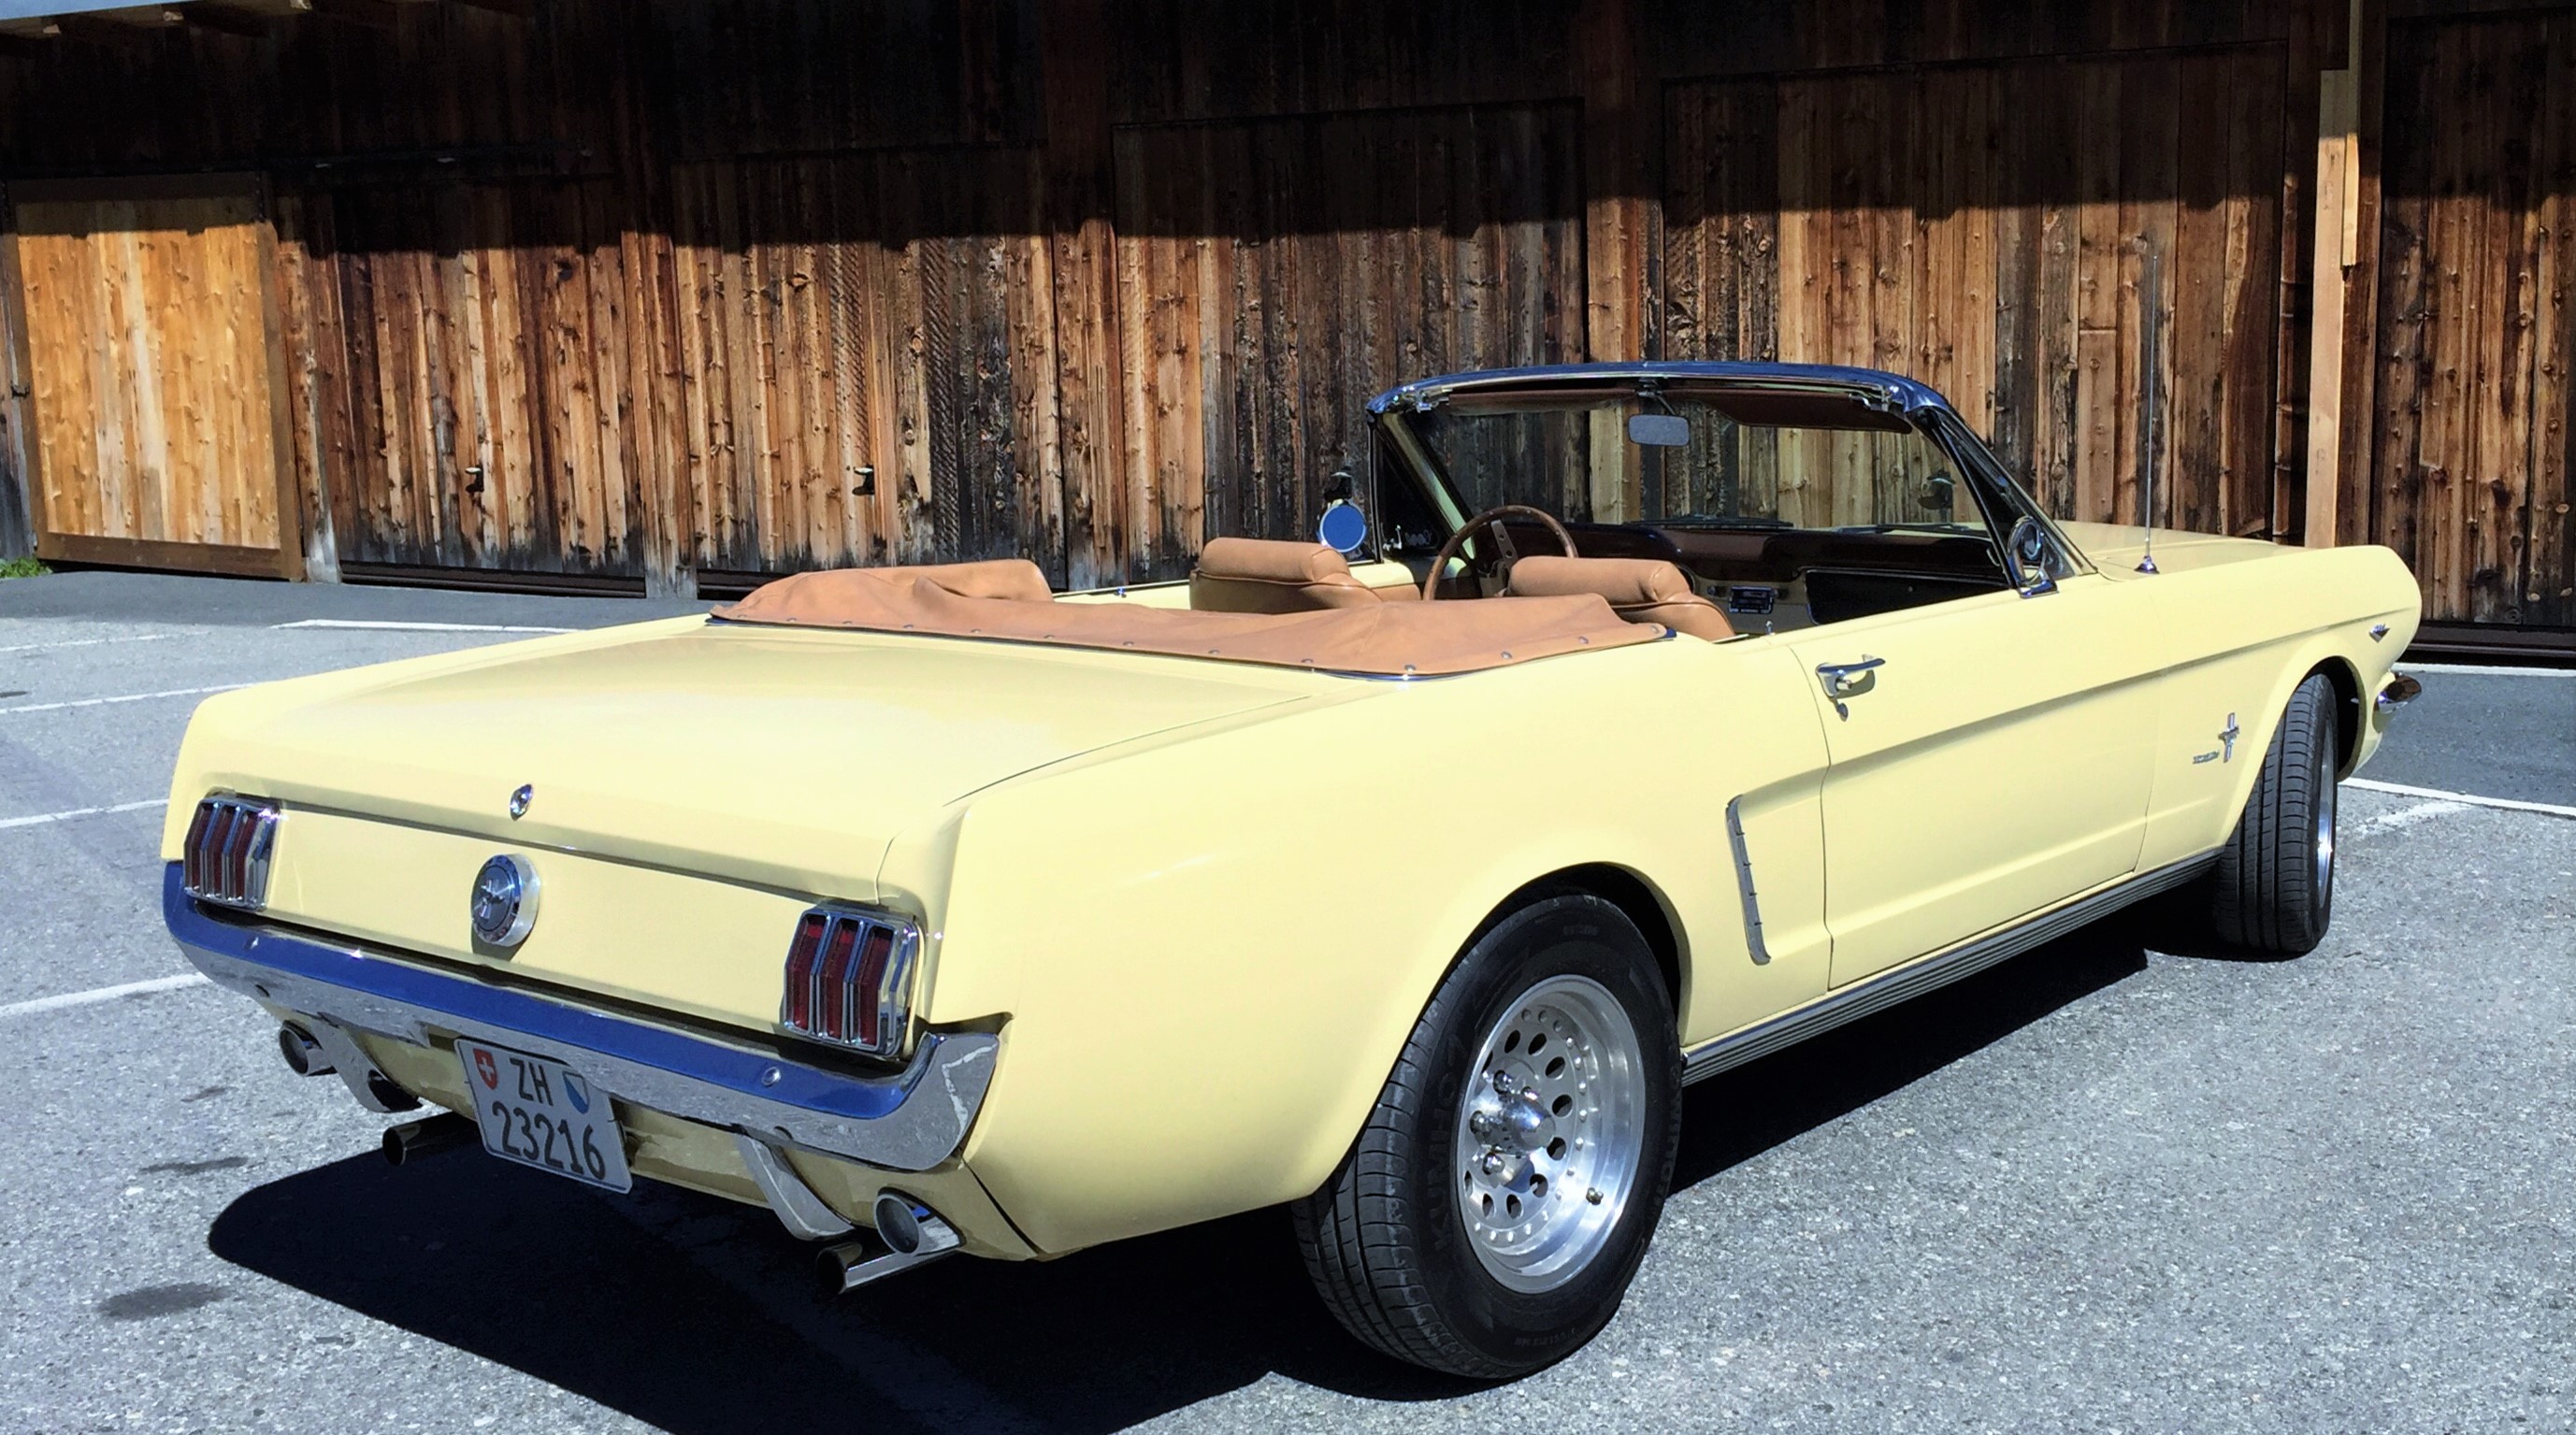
(1928, 973)
(1744, 883)
(910, 1120)
(799, 1209)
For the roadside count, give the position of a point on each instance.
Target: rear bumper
(910, 1120)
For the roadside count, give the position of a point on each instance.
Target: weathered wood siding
(1267, 291)
(148, 366)
(862, 352)
(652, 293)
(1920, 221)
(474, 392)
(2472, 434)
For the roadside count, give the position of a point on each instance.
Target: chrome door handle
(1849, 680)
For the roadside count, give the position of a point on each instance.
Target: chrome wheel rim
(1551, 1132)
(2322, 842)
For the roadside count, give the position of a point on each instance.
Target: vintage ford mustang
(1402, 879)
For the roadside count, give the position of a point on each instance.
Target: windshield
(1712, 457)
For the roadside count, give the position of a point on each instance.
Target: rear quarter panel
(1206, 956)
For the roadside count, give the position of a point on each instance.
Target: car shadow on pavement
(695, 1314)
(1737, 1115)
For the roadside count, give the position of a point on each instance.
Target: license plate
(544, 1114)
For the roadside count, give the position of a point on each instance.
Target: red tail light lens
(798, 1011)
(849, 979)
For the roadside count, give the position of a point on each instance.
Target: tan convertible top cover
(1008, 599)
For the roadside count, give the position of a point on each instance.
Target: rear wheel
(2273, 891)
(1490, 1216)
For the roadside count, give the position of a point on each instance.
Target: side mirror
(2026, 557)
(1344, 528)
(1940, 493)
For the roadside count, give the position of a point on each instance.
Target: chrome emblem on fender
(519, 801)
(504, 904)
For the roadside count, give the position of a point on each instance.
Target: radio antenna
(2151, 310)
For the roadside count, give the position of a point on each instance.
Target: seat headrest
(1624, 581)
(1641, 590)
(1272, 560)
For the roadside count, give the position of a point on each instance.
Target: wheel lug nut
(1593, 1195)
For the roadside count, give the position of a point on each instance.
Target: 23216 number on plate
(544, 1114)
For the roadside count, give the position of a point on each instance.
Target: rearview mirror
(1659, 430)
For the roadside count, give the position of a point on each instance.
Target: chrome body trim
(1929, 973)
(802, 1212)
(1744, 883)
(908, 1120)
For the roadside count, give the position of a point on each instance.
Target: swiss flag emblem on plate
(487, 1068)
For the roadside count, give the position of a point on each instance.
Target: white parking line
(2408, 817)
(2472, 799)
(123, 698)
(102, 994)
(376, 626)
(42, 818)
(88, 642)
(2486, 670)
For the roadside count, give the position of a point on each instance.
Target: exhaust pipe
(908, 1234)
(304, 1056)
(428, 1136)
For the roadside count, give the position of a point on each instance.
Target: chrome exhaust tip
(428, 1136)
(908, 1234)
(304, 1056)
(2399, 691)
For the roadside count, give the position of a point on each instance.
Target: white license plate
(544, 1114)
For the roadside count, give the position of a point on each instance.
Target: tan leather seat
(1641, 590)
(1261, 575)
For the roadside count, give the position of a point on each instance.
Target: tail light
(225, 859)
(849, 979)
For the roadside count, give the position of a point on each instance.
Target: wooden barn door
(2472, 437)
(1275, 274)
(2003, 232)
(153, 373)
(479, 366)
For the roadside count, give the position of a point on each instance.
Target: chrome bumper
(904, 1121)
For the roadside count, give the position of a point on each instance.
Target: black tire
(2273, 891)
(1384, 1239)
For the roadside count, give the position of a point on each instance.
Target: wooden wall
(2471, 435)
(669, 293)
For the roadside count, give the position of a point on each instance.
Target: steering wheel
(1492, 518)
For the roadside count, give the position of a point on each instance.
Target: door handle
(1849, 680)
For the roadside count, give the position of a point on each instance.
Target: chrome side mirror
(2026, 557)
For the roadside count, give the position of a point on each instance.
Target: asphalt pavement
(2101, 1187)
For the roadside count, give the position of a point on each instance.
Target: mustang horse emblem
(503, 905)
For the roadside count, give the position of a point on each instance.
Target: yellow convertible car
(1402, 879)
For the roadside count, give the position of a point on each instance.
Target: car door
(1987, 757)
